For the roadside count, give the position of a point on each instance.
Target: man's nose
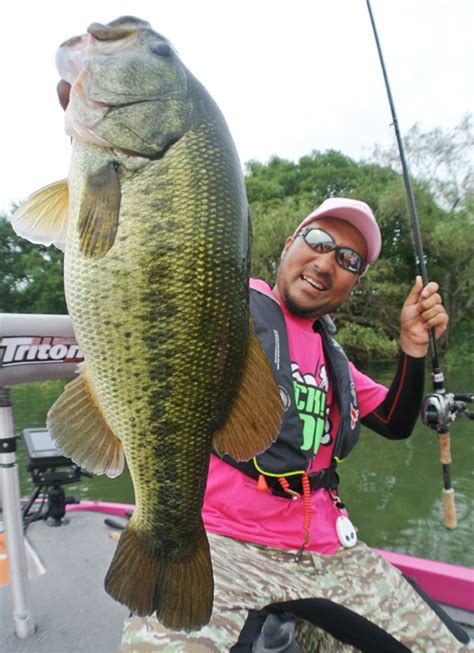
(325, 262)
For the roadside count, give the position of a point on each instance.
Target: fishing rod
(440, 408)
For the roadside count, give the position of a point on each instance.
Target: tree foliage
(443, 159)
(31, 276)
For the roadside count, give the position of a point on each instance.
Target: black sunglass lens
(349, 260)
(323, 243)
(319, 240)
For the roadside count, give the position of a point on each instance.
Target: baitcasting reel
(440, 409)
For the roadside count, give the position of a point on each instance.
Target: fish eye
(161, 49)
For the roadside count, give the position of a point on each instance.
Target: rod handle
(450, 519)
(445, 448)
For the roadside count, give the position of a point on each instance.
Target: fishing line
(439, 408)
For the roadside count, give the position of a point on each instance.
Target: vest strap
(324, 478)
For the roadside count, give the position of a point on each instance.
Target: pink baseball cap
(356, 213)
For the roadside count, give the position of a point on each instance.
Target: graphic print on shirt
(311, 403)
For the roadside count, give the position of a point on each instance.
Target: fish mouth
(314, 283)
(86, 98)
(97, 104)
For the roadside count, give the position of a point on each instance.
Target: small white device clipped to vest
(346, 532)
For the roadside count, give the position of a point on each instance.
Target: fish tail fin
(256, 415)
(180, 592)
(78, 427)
(43, 217)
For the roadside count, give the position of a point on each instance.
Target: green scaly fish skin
(162, 319)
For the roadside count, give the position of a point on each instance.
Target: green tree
(442, 163)
(31, 276)
(314, 177)
(442, 159)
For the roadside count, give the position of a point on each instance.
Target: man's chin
(308, 312)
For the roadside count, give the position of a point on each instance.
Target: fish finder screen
(41, 441)
(41, 448)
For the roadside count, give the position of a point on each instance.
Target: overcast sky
(290, 76)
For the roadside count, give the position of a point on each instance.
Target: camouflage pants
(249, 576)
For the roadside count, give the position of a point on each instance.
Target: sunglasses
(323, 243)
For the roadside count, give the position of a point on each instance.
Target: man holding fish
(154, 221)
(280, 537)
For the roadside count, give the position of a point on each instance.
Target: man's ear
(288, 242)
(364, 271)
(362, 274)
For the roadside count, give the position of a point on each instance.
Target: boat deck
(71, 611)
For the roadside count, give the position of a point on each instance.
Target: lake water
(393, 490)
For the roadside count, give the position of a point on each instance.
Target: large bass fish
(154, 220)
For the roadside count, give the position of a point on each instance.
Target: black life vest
(285, 458)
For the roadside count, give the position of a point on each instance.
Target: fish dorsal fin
(99, 213)
(256, 415)
(78, 427)
(43, 217)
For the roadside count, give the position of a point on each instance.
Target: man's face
(313, 284)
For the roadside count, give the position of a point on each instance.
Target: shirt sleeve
(369, 393)
(395, 416)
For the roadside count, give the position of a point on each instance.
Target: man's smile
(314, 282)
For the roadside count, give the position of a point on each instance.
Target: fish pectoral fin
(179, 590)
(256, 415)
(99, 212)
(43, 217)
(78, 427)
